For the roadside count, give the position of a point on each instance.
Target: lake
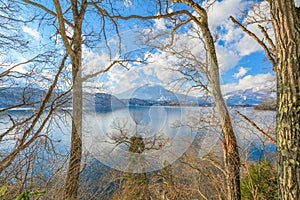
(166, 131)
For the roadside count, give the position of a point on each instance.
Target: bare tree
(26, 135)
(69, 21)
(135, 184)
(230, 148)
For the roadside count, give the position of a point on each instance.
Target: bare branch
(8, 159)
(46, 10)
(63, 28)
(266, 135)
(214, 163)
(269, 40)
(260, 42)
(106, 69)
(6, 72)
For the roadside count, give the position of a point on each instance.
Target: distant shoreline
(263, 106)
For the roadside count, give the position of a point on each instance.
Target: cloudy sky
(243, 63)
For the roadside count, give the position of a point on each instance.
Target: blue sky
(243, 63)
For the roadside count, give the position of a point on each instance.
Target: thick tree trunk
(74, 49)
(73, 46)
(230, 148)
(285, 19)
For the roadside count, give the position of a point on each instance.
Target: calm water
(174, 127)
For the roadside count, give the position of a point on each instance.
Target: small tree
(260, 182)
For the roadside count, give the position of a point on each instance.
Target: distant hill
(27, 96)
(107, 102)
(266, 106)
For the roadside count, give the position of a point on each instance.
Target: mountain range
(146, 95)
(249, 97)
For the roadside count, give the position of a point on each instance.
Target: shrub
(260, 182)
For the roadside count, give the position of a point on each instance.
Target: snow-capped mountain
(157, 93)
(248, 97)
(148, 92)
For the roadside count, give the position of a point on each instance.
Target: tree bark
(286, 23)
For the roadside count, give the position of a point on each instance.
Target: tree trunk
(286, 23)
(72, 181)
(230, 148)
(74, 49)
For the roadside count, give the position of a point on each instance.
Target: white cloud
(247, 46)
(232, 34)
(122, 80)
(162, 63)
(242, 71)
(19, 68)
(219, 12)
(227, 58)
(237, 41)
(34, 33)
(255, 82)
(94, 62)
(160, 24)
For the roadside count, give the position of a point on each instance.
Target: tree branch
(264, 32)
(266, 135)
(260, 42)
(63, 28)
(46, 10)
(104, 70)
